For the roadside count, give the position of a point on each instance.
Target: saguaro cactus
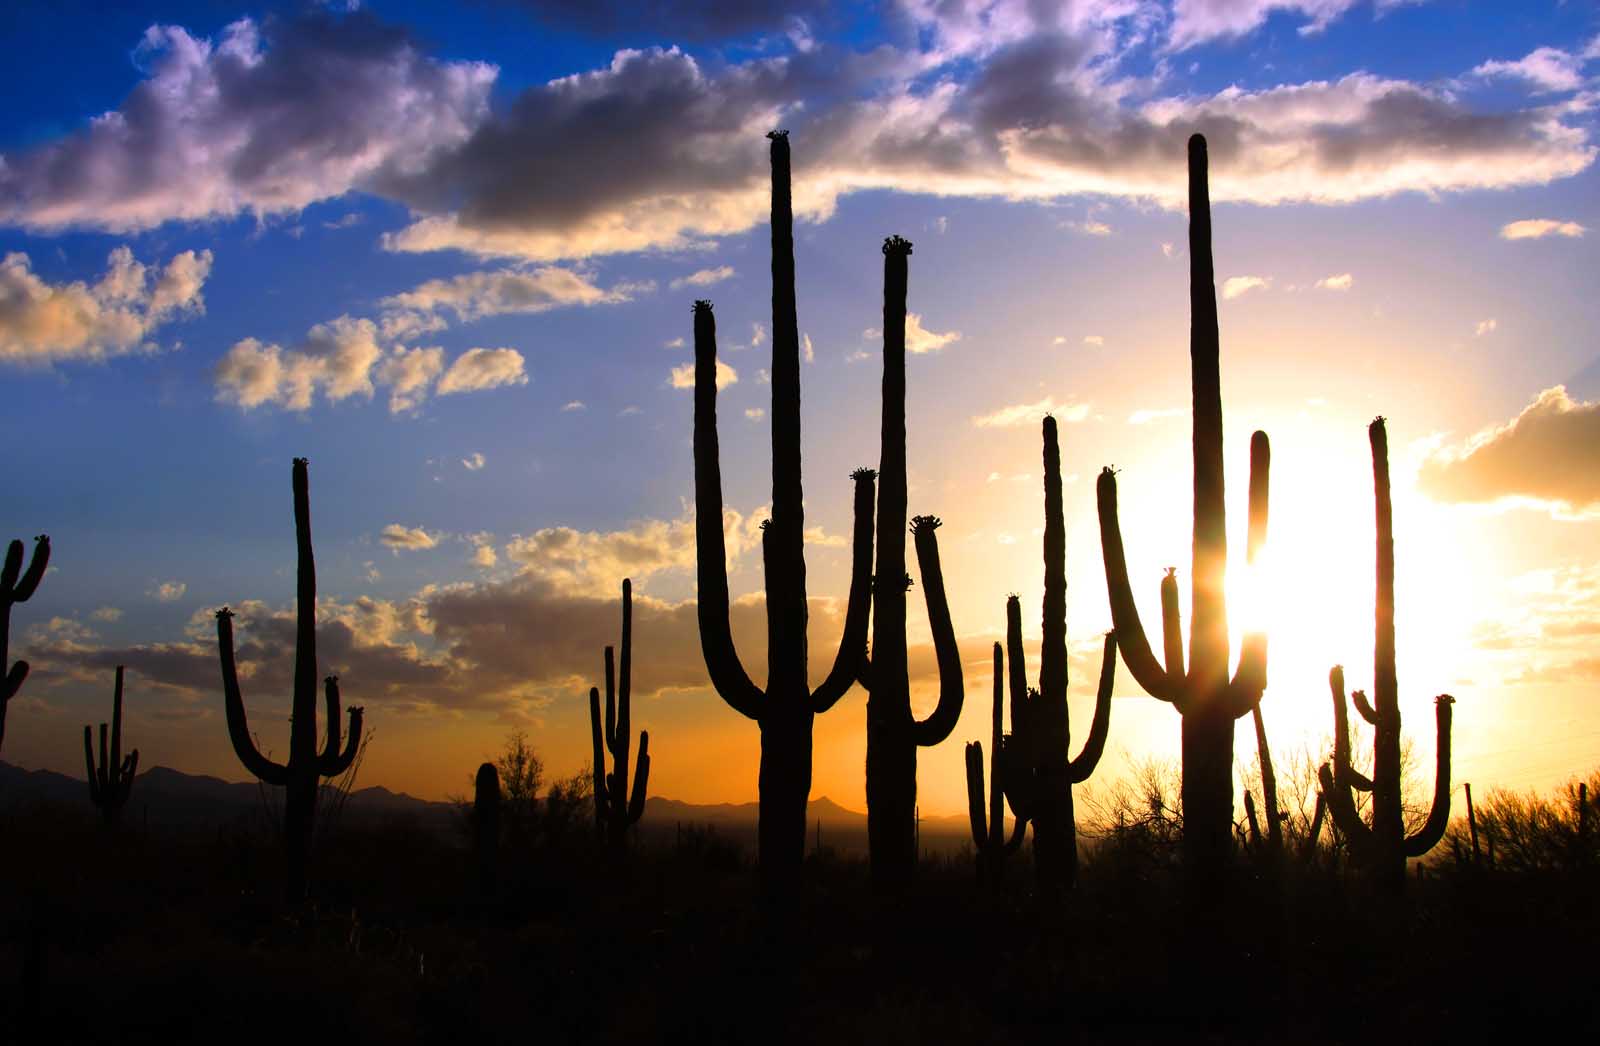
(299, 775)
(110, 784)
(784, 710)
(16, 587)
(1207, 699)
(1043, 766)
(988, 832)
(615, 810)
(893, 732)
(1384, 845)
(1272, 843)
(486, 826)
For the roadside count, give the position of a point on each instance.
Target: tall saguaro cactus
(784, 710)
(299, 774)
(989, 831)
(614, 809)
(893, 731)
(1204, 695)
(111, 783)
(16, 586)
(1384, 845)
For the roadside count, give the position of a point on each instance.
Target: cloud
(1236, 286)
(43, 323)
(1487, 326)
(265, 120)
(1024, 413)
(1090, 227)
(410, 539)
(682, 376)
(573, 405)
(168, 591)
(1094, 339)
(408, 373)
(755, 413)
(1547, 69)
(673, 343)
(337, 359)
(474, 295)
(1549, 453)
(919, 339)
(106, 614)
(703, 278)
(1539, 228)
(758, 335)
(1197, 21)
(699, 21)
(474, 461)
(478, 369)
(1342, 282)
(807, 351)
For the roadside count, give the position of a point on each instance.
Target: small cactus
(112, 781)
(988, 831)
(299, 774)
(615, 810)
(16, 587)
(1383, 846)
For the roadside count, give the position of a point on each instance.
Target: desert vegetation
(1145, 908)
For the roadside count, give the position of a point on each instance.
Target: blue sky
(449, 256)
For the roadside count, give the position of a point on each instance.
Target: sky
(448, 254)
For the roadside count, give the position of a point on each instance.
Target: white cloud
(484, 556)
(1487, 326)
(106, 614)
(337, 359)
(474, 295)
(1545, 68)
(474, 461)
(1235, 286)
(266, 119)
(1166, 250)
(703, 278)
(758, 335)
(1538, 228)
(806, 350)
(1342, 282)
(1090, 227)
(1545, 454)
(682, 376)
(1094, 339)
(573, 405)
(478, 369)
(408, 373)
(918, 338)
(673, 343)
(168, 591)
(43, 323)
(1024, 413)
(755, 413)
(400, 537)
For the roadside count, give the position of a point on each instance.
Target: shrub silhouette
(1382, 847)
(1533, 835)
(893, 731)
(299, 774)
(112, 782)
(17, 587)
(784, 710)
(615, 810)
(1204, 696)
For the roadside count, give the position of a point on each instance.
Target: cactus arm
(244, 746)
(1428, 836)
(352, 744)
(1269, 779)
(728, 675)
(1250, 816)
(1345, 773)
(1359, 698)
(641, 779)
(330, 690)
(1342, 808)
(1136, 654)
(997, 733)
(611, 702)
(1017, 667)
(1094, 745)
(942, 720)
(850, 664)
(13, 683)
(598, 763)
(1250, 681)
(1260, 469)
(21, 589)
(1171, 623)
(88, 760)
(975, 814)
(1019, 831)
(12, 568)
(130, 769)
(116, 730)
(1317, 816)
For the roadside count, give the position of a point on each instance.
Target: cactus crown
(302, 461)
(331, 679)
(700, 306)
(896, 245)
(864, 473)
(921, 523)
(766, 523)
(775, 135)
(224, 612)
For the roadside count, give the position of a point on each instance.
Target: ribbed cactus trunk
(17, 586)
(1203, 693)
(300, 776)
(1384, 846)
(893, 732)
(785, 709)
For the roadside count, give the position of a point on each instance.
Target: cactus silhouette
(988, 831)
(784, 710)
(1207, 699)
(299, 774)
(1040, 770)
(1272, 843)
(615, 810)
(486, 826)
(893, 732)
(110, 784)
(17, 586)
(1383, 846)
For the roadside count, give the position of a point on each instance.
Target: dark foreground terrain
(179, 934)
